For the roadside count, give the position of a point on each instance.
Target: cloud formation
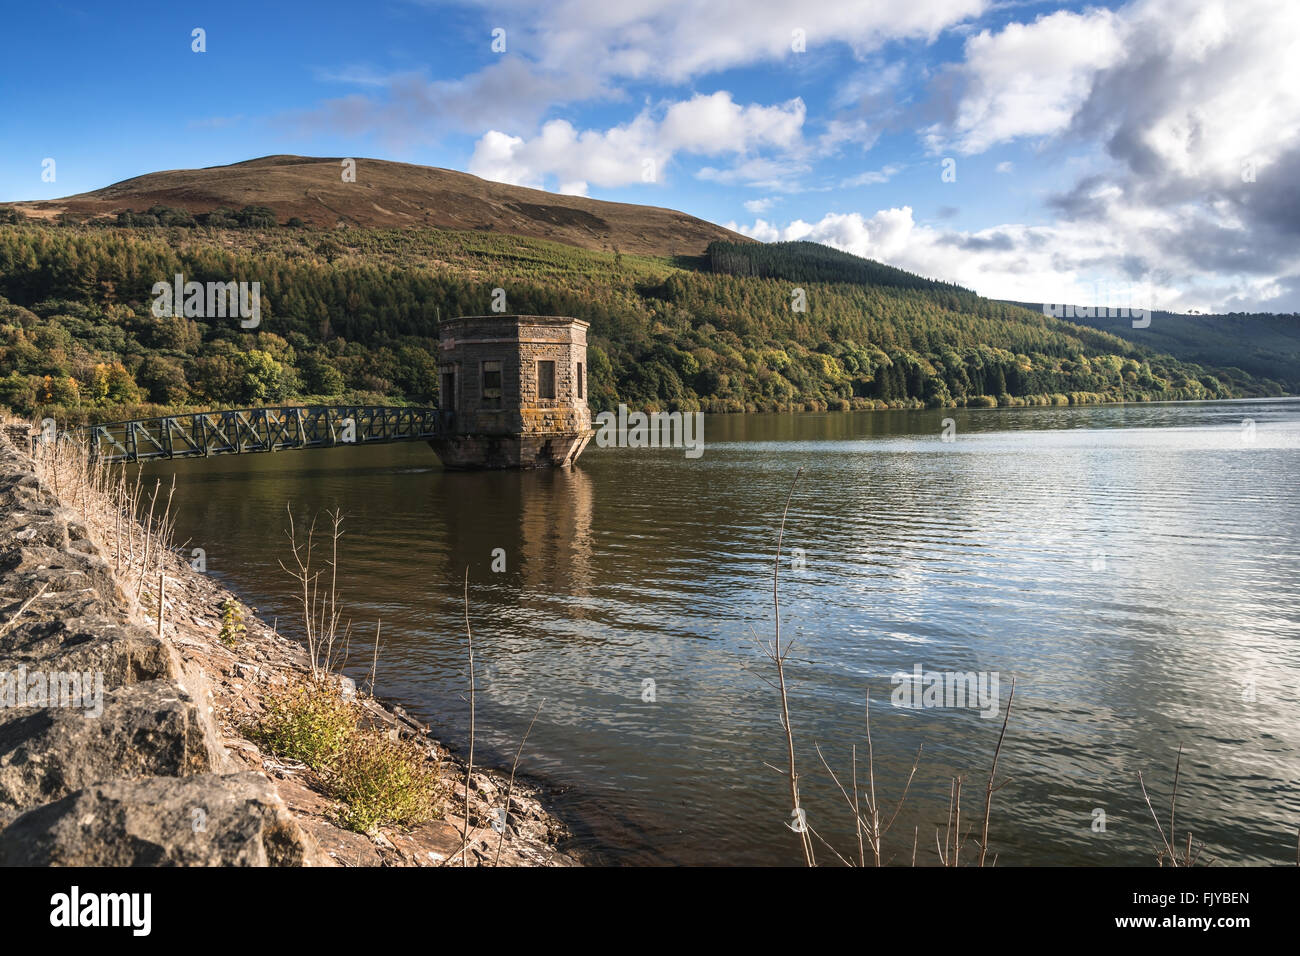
(674, 41)
(1190, 110)
(640, 150)
(1048, 263)
(1169, 128)
(409, 108)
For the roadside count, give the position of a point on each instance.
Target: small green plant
(377, 780)
(232, 622)
(309, 721)
(382, 781)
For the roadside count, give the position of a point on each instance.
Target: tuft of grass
(378, 781)
(382, 781)
(309, 721)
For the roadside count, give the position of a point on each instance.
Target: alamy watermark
(1111, 300)
(75, 689)
(653, 430)
(211, 300)
(1141, 317)
(922, 689)
(75, 908)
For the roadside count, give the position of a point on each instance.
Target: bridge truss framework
(251, 430)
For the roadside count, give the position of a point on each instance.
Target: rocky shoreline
(166, 774)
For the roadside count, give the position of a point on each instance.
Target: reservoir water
(1135, 569)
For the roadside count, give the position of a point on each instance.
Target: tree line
(351, 315)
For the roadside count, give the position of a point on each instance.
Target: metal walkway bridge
(250, 430)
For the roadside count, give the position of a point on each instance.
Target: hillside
(803, 261)
(350, 315)
(389, 195)
(1263, 344)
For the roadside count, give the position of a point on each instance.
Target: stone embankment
(125, 743)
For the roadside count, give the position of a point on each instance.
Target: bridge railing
(252, 430)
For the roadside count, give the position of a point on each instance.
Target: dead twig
(469, 764)
(1188, 856)
(801, 826)
(21, 608)
(988, 792)
(510, 789)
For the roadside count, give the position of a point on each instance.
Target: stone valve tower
(512, 391)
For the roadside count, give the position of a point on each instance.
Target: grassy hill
(389, 195)
(351, 315)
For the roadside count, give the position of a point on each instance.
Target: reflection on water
(1134, 568)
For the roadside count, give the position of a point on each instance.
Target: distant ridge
(1264, 344)
(388, 195)
(802, 261)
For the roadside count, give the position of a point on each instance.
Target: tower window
(491, 384)
(545, 379)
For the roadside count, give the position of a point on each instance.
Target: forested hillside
(1260, 343)
(351, 315)
(812, 262)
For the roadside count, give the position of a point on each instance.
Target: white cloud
(216, 122)
(581, 50)
(1029, 79)
(715, 124)
(355, 75)
(888, 235)
(406, 108)
(776, 175)
(676, 40)
(1005, 166)
(1052, 263)
(1183, 96)
(494, 158)
(639, 151)
(852, 130)
(871, 177)
(759, 205)
(1203, 78)
(613, 157)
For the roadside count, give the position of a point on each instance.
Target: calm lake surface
(1136, 569)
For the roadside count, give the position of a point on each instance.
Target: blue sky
(1141, 153)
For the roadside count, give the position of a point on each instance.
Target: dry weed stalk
(869, 825)
(4, 628)
(463, 850)
(1177, 856)
(778, 657)
(319, 599)
(870, 830)
(469, 764)
(990, 789)
(137, 541)
(510, 789)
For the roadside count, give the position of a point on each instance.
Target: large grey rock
(154, 728)
(141, 781)
(213, 820)
(122, 653)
